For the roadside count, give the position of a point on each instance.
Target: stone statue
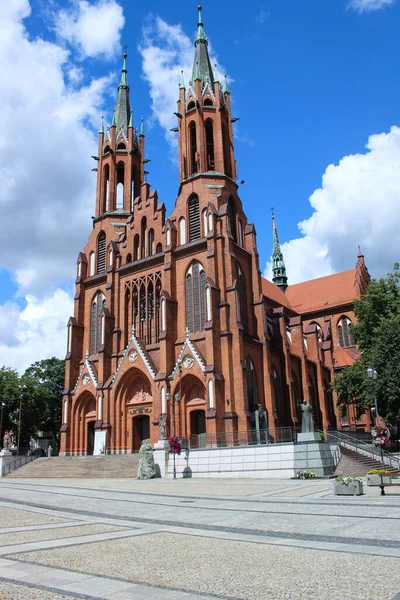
(163, 428)
(7, 440)
(307, 424)
(147, 467)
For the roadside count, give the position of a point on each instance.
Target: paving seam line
(249, 498)
(300, 536)
(34, 586)
(73, 537)
(146, 585)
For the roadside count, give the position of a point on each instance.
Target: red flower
(174, 444)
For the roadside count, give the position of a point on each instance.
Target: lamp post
(21, 391)
(2, 405)
(373, 375)
(173, 401)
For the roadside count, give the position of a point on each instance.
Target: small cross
(125, 47)
(273, 211)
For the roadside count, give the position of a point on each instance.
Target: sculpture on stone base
(147, 467)
(307, 424)
(7, 440)
(163, 428)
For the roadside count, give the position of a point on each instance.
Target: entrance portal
(198, 429)
(90, 438)
(141, 431)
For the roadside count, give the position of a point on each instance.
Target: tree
(9, 394)
(44, 381)
(377, 334)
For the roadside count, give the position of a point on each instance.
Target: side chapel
(175, 306)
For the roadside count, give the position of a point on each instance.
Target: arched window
(191, 105)
(107, 149)
(194, 219)
(231, 213)
(275, 387)
(168, 237)
(193, 147)
(121, 146)
(344, 334)
(92, 263)
(182, 231)
(136, 251)
(210, 145)
(106, 188)
(151, 242)
(205, 223)
(101, 252)
(79, 269)
(241, 239)
(196, 297)
(252, 393)
(227, 150)
(241, 298)
(208, 102)
(128, 258)
(143, 239)
(159, 248)
(120, 185)
(110, 257)
(98, 306)
(295, 388)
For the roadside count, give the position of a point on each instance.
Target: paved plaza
(122, 539)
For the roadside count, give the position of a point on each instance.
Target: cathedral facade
(173, 321)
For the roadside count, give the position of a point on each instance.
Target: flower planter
(378, 479)
(354, 488)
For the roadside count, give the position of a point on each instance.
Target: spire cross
(273, 211)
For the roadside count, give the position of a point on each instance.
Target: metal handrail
(239, 438)
(23, 460)
(363, 448)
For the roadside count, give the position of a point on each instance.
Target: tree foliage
(377, 334)
(39, 392)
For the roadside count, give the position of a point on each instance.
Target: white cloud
(47, 191)
(166, 51)
(369, 5)
(356, 205)
(35, 333)
(94, 28)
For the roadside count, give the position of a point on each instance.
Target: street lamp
(21, 391)
(373, 375)
(2, 405)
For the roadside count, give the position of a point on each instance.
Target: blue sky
(313, 83)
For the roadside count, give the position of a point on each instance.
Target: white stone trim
(188, 344)
(134, 342)
(88, 366)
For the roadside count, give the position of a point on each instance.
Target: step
(118, 465)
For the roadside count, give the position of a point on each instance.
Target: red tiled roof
(345, 357)
(271, 291)
(324, 292)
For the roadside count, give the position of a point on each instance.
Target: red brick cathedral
(174, 309)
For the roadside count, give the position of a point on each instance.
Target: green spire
(278, 264)
(202, 68)
(182, 83)
(226, 84)
(142, 126)
(102, 125)
(130, 121)
(123, 107)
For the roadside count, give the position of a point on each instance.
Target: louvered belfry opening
(232, 219)
(194, 219)
(101, 253)
(210, 145)
(193, 147)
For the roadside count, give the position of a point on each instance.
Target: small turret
(202, 68)
(278, 264)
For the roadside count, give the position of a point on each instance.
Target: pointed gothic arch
(345, 336)
(101, 252)
(209, 125)
(97, 307)
(106, 188)
(194, 218)
(193, 148)
(120, 186)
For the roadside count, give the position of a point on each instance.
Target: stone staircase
(354, 463)
(119, 465)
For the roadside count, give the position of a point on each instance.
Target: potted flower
(380, 437)
(175, 446)
(378, 477)
(348, 486)
(306, 474)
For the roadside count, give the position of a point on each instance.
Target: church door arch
(84, 418)
(134, 408)
(140, 431)
(198, 429)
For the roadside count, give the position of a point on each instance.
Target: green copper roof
(202, 68)
(142, 126)
(278, 264)
(123, 106)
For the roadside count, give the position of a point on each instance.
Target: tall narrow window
(120, 185)
(344, 334)
(241, 292)
(182, 231)
(151, 242)
(194, 219)
(92, 263)
(275, 385)
(98, 306)
(210, 145)
(106, 188)
(193, 147)
(143, 240)
(252, 393)
(231, 213)
(136, 248)
(101, 253)
(227, 150)
(196, 297)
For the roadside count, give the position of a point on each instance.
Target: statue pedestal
(311, 436)
(6, 452)
(161, 445)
